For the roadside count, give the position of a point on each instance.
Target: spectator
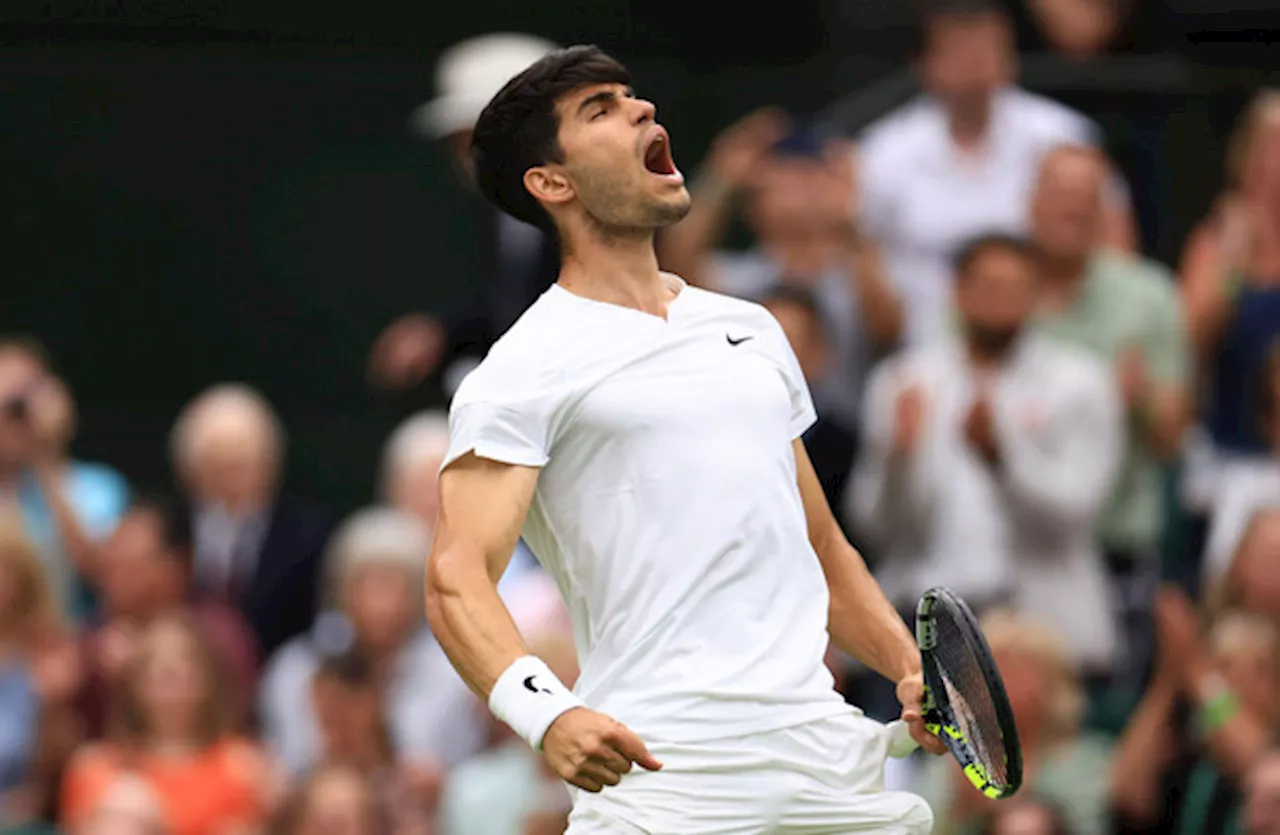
(374, 599)
(349, 705)
(67, 506)
(988, 458)
(1262, 797)
(509, 787)
(146, 570)
(1232, 684)
(1246, 485)
(410, 482)
(961, 160)
(256, 550)
(797, 197)
(1064, 767)
(523, 261)
(1124, 310)
(336, 800)
(129, 807)
(173, 729)
(35, 682)
(1230, 277)
(832, 442)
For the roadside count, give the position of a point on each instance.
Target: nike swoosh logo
(533, 688)
(737, 341)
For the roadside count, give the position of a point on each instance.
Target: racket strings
(970, 700)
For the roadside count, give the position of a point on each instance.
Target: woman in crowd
(172, 729)
(1230, 276)
(1064, 767)
(375, 597)
(1208, 717)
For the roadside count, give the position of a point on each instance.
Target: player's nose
(645, 111)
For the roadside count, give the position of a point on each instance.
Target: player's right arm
(483, 504)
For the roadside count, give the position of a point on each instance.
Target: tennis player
(644, 435)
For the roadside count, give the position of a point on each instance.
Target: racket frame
(939, 716)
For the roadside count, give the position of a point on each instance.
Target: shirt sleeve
(510, 424)
(803, 414)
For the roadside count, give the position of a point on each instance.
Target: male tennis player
(644, 436)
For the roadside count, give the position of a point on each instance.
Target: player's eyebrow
(602, 97)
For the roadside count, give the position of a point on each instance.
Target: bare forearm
(862, 621)
(1238, 744)
(471, 622)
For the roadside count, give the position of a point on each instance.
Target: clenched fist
(591, 751)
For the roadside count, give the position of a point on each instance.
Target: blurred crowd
(1015, 403)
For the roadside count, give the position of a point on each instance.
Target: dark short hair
(519, 128)
(932, 12)
(173, 522)
(993, 242)
(803, 298)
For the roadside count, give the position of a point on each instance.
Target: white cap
(469, 74)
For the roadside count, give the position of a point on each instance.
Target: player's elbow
(446, 581)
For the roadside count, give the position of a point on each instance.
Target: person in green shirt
(1125, 310)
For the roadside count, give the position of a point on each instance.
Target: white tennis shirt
(667, 508)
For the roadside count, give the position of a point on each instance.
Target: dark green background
(230, 191)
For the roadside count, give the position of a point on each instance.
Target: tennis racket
(965, 704)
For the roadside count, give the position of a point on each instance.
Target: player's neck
(622, 271)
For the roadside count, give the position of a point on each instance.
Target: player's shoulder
(1047, 119)
(527, 356)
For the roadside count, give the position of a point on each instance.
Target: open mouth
(657, 156)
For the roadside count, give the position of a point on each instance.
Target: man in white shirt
(644, 436)
(961, 160)
(987, 458)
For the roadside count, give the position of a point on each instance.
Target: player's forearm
(470, 621)
(862, 621)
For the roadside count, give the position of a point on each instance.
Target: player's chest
(698, 385)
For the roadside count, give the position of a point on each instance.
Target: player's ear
(549, 184)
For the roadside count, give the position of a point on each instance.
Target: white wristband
(528, 697)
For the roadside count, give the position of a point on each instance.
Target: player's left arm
(861, 620)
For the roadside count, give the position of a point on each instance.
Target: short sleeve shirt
(667, 508)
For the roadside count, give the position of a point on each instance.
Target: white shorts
(821, 778)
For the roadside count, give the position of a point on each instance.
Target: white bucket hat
(471, 73)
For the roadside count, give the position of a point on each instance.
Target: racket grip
(901, 743)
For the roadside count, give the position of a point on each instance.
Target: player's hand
(591, 750)
(911, 695)
(406, 352)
